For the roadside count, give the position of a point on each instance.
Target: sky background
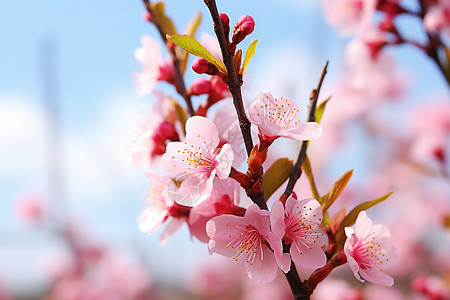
(92, 65)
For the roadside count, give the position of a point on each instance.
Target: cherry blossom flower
(160, 206)
(299, 222)
(437, 17)
(154, 68)
(349, 15)
(248, 238)
(369, 251)
(152, 133)
(278, 118)
(197, 161)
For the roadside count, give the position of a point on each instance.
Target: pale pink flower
(349, 15)
(278, 118)
(30, 207)
(437, 17)
(369, 251)
(197, 161)
(154, 68)
(248, 238)
(299, 223)
(151, 135)
(335, 289)
(160, 206)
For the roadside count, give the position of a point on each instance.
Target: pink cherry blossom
(154, 68)
(437, 17)
(278, 118)
(369, 251)
(160, 206)
(248, 238)
(197, 161)
(299, 222)
(153, 132)
(349, 15)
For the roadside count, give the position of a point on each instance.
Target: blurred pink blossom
(154, 68)
(437, 17)
(30, 207)
(349, 16)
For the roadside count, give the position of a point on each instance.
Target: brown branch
(234, 83)
(179, 81)
(297, 171)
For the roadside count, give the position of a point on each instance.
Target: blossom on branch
(278, 118)
(369, 250)
(248, 238)
(197, 160)
(299, 222)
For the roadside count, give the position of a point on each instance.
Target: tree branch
(234, 83)
(179, 81)
(297, 171)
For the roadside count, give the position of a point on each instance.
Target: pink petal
(150, 219)
(283, 259)
(202, 132)
(304, 131)
(194, 190)
(377, 277)
(353, 266)
(220, 248)
(264, 271)
(171, 227)
(220, 228)
(277, 219)
(260, 219)
(306, 257)
(254, 111)
(225, 160)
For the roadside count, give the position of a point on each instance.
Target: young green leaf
(276, 175)
(337, 189)
(158, 9)
(350, 219)
(248, 55)
(194, 47)
(320, 110)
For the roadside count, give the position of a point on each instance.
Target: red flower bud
(244, 26)
(200, 65)
(225, 24)
(147, 16)
(200, 86)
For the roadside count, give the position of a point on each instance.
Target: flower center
(249, 243)
(281, 113)
(368, 253)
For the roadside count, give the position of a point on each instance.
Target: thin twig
(297, 171)
(234, 84)
(179, 81)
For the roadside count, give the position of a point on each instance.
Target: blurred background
(68, 108)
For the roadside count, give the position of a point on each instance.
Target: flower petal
(202, 132)
(225, 160)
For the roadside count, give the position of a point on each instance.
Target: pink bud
(246, 24)
(147, 16)
(200, 86)
(225, 23)
(200, 65)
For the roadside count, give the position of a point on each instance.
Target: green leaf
(276, 175)
(248, 55)
(158, 10)
(190, 30)
(320, 110)
(181, 113)
(337, 189)
(192, 46)
(350, 219)
(306, 166)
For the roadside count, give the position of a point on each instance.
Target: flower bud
(244, 26)
(200, 86)
(147, 16)
(225, 24)
(200, 65)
